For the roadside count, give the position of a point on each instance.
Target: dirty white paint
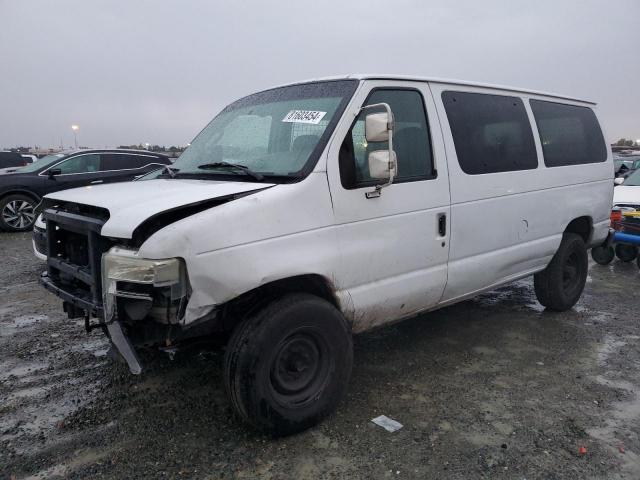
(384, 256)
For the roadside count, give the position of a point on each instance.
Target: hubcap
(18, 214)
(299, 369)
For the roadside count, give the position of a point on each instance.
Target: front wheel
(287, 367)
(17, 213)
(559, 286)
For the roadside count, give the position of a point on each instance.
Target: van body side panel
(509, 224)
(266, 236)
(393, 262)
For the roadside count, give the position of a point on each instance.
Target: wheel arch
(19, 191)
(252, 300)
(582, 226)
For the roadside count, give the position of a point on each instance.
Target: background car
(22, 190)
(628, 195)
(13, 160)
(26, 159)
(625, 165)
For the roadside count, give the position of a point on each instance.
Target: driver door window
(80, 164)
(411, 141)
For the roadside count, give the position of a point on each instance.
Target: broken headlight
(135, 287)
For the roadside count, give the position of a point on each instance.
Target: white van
(309, 212)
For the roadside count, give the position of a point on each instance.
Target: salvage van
(307, 213)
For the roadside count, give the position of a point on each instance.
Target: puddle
(30, 392)
(622, 414)
(13, 369)
(20, 323)
(518, 294)
(608, 347)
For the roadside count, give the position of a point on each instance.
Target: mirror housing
(618, 181)
(382, 166)
(376, 127)
(53, 172)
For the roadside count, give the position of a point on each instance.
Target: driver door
(393, 249)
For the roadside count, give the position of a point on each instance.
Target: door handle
(96, 182)
(442, 224)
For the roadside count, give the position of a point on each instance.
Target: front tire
(17, 213)
(559, 286)
(287, 367)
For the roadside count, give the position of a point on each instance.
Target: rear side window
(491, 133)
(139, 161)
(121, 161)
(570, 135)
(117, 161)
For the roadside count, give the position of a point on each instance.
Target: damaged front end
(136, 301)
(138, 290)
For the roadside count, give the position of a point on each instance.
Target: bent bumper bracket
(123, 346)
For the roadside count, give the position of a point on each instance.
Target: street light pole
(75, 129)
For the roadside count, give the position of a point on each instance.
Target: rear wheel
(17, 213)
(603, 255)
(626, 253)
(287, 367)
(559, 286)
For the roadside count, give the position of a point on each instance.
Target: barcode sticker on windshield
(304, 116)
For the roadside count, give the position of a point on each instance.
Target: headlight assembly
(141, 287)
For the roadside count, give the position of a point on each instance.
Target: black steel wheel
(287, 367)
(559, 286)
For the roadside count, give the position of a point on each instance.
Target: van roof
(371, 76)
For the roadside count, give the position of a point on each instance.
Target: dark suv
(21, 191)
(11, 159)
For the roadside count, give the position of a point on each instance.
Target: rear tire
(603, 255)
(287, 367)
(559, 286)
(626, 253)
(17, 213)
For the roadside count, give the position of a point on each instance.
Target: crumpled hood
(626, 194)
(131, 203)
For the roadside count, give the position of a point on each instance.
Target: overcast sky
(136, 71)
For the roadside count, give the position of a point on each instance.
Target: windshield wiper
(170, 171)
(235, 166)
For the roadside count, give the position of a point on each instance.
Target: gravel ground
(491, 388)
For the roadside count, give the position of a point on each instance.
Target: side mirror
(376, 127)
(53, 172)
(618, 181)
(381, 165)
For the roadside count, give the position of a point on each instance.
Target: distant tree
(623, 142)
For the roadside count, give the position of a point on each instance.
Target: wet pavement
(492, 388)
